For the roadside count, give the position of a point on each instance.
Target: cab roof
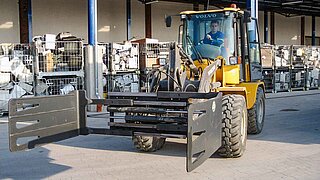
(211, 11)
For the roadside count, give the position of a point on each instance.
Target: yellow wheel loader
(209, 93)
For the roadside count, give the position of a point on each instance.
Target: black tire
(148, 143)
(234, 126)
(256, 114)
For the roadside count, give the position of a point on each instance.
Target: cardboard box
(50, 40)
(48, 63)
(5, 65)
(282, 77)
(150, 62)
(5, 78)
(298, 76)
(315, 73)
(277, 61)
(267, 57)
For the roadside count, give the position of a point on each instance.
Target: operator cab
(234, 39)
(199, 26)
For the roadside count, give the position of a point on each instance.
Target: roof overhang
(287, 8)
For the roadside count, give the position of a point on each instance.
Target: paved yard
(288, 148)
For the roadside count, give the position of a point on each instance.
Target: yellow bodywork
(247, 89)
(229, 77)
(231, 83)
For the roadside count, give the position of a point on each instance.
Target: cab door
(254, 53)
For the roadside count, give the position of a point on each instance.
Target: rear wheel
(234, 126)
(256, 114)
(148, 143)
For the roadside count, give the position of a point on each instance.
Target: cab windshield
(207, 36)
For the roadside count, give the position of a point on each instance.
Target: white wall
(137, 22)
(287, 30)
(54, 16)
(159, 10)
(9, 21)
(112, 13)
(308, 26)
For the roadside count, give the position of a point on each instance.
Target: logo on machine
(201, 16)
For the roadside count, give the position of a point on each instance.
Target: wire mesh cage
(299, 55)
(16, 78)
(107, 55)
(313, 78)
(268, 79)
(154, 55)
(122, 57)
(298, 78)
(59, 58)
(125, 82)
(60, 85)
(282, 55)
(313, 56)
(282, 80)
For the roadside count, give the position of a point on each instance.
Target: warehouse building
(54, 16)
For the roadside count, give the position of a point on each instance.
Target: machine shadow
(122, 143)
(33, 164)
(172, 147)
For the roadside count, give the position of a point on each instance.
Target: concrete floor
(288, 148)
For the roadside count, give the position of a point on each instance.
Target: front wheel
(148, 143)
(234, 126)
(256, 114)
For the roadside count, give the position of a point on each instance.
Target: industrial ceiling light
(292, 2)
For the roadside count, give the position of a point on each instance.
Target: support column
(272, 28)
(148, 21)
(313, 31)
(128, 19)
(206, 5)
(92, 22)
(252, 5)
(302, 34)
(25, 20)
(196, 6)
(266, 27)
(93, 59)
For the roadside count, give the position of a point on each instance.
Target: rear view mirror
(168, 21)
(233, 60)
